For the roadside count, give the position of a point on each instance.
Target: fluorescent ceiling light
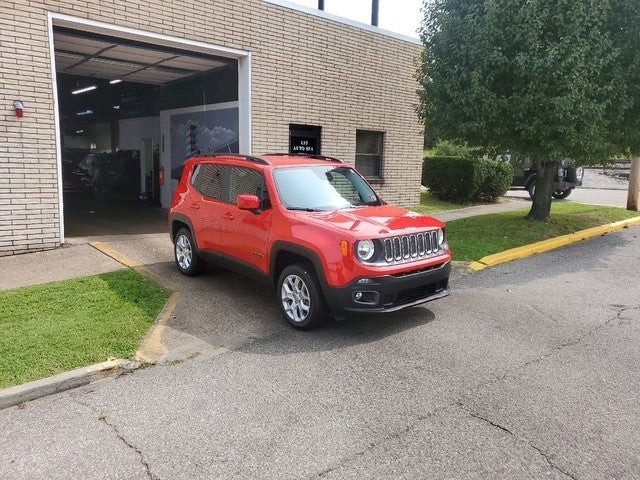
(116, 107)
(82, 90)
(86, 112)
(114, 81)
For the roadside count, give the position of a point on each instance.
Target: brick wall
(305, 69)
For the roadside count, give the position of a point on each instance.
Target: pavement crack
(372, 445)
(546, 457)
(103, 417)
(131, 446)
(621, 309)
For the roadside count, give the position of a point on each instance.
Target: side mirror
(246, 201)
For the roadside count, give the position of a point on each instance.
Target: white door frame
(244, 76)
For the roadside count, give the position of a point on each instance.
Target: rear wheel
(560, 194)
(300, 297)
(531, 188)
(187, 259)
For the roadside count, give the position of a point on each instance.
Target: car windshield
(319, 187)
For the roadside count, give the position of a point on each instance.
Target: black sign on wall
(304, 139)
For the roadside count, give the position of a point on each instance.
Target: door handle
(228, 216)
(195, 206)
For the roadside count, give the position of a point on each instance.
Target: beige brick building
(262, 75)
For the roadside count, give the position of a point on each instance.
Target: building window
(369, 153)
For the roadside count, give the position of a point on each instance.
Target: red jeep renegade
(311, 227)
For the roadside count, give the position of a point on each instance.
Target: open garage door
(113, 85)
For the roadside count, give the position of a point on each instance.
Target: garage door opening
(114, 88)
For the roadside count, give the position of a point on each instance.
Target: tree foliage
(540, 78)
(624, 25)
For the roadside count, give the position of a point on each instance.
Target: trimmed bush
(497, 181)
(464, 180)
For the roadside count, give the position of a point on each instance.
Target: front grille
(407, 248)
(414, 294)
(411, 295)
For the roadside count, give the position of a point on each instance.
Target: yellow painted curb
(113, 253)
(109, 251)
(152, 350)
(552, 243)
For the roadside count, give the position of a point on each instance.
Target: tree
(537, 77)
(624, 25)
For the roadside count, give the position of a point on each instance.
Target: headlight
(442, 239)
(365, 250)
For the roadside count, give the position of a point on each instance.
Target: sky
(400, 16)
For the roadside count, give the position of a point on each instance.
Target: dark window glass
(369, 153)
(209, 180)
(246, 180)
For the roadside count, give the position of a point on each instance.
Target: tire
(531, 188)
(300, 297)
(184, 252)
(560, 194)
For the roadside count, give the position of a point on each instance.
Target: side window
(369, 153)
(209, 180)
(247, 180)
(344, 186)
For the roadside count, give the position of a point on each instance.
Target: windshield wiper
(304, 209)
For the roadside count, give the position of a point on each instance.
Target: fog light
(365, 281)
(366, 298)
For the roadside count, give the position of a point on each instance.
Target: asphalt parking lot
(528, 370)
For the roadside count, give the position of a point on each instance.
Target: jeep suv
(524, 176)
(312, 228)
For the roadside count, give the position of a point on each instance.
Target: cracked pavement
(528, 370)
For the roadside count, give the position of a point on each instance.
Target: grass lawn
(476, 237)
(430, 204)
(56, 327)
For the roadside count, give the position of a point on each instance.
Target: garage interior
(111, 92)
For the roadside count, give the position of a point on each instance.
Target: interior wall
(100, 135)
(133, 130)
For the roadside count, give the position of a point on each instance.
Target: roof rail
(235, 155)
(308, 155)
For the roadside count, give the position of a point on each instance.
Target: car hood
(373, 222)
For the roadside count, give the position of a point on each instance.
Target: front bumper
(389, 293)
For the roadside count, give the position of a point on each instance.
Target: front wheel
(187, 259)
(300, 297)
(560, 194)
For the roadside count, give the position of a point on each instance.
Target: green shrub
(496, 181)
(464, 180)
(449, 148)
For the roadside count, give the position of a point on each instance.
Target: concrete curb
(552, 243)
(64, 381)
(152, 350)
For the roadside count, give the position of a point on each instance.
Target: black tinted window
(245, 180)
(209, 180)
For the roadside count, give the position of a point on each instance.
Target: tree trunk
(541, 205)
(634, 185)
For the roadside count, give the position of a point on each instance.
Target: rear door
(209, 204)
